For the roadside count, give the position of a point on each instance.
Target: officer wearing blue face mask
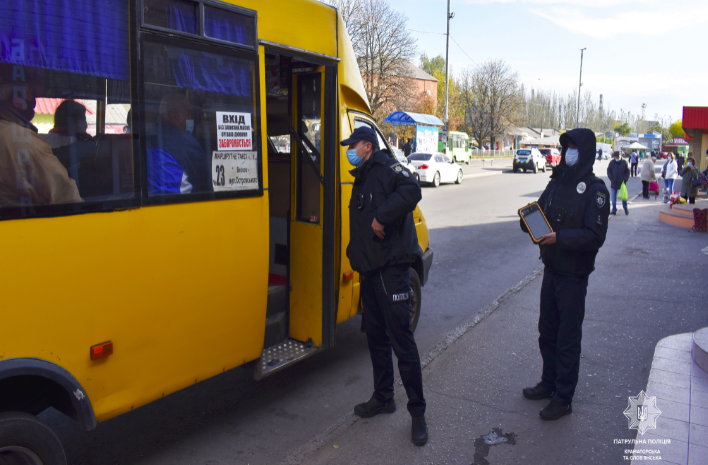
(576, 204)
(382, 245)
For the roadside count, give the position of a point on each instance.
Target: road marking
(480, 175)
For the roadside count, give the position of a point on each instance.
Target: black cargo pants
(560, 327)
(386, 297)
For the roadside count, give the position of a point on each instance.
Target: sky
(649, 51)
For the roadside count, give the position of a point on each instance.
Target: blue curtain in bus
(212, 73)
(78, 36)
(228, 26)
(182, 18)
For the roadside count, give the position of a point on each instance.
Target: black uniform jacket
(577, 204)
(385, 190)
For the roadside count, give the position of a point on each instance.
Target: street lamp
(577, 116)
(447, 67)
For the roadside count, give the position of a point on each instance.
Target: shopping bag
(654, 187)
(622, 194)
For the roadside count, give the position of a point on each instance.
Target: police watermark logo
(642, 412)
(600, 199)
(400, 297)
(581, 188)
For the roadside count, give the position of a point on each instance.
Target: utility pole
(447, 68)
(577, 116)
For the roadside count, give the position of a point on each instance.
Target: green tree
(436, 67)
(623, 129)
(676, 129)
(654, 127)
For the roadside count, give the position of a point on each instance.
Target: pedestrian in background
(689, 173)
(618, 172)
(669, 172)
(407, 148)
(576, 205)
(648, 174)
(599, 154)
(383, 243)
(634, 161)
(680, 160)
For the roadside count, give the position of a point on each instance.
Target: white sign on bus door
(234, 131)
(234, 171)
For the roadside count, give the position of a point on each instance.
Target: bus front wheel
(26, 440)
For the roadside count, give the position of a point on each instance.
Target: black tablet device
(536, 221)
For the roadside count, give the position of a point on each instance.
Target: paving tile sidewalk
(640, 293)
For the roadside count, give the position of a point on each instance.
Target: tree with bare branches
(383, 45)
(490, 96)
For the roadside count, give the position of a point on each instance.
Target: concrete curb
(298, 455)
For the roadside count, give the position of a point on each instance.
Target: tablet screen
(536, 223)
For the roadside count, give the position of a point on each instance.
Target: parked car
(401, 158)
(435, 168)
(553, 156)
(529, 159)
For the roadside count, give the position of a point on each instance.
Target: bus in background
(173, 200)
(458, 147)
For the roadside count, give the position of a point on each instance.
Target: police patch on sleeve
(600, 199)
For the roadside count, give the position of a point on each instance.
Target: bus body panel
(291, 23)
(180, 289)
(175, 295)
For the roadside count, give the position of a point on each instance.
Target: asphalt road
(231, 419)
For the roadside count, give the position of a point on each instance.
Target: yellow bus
(173, 200)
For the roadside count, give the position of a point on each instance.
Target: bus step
(277, 357)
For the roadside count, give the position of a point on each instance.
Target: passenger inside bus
(30, 173)
(177, 164)
(70, 124)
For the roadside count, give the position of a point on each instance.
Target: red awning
(695, 118)
(48, 106)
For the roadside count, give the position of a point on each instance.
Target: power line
(463, 51)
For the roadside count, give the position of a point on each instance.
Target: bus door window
(309, 117)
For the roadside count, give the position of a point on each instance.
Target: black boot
(373, 407)
(419, 431)
(537, 392)
(555, 410)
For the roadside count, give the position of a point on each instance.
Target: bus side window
(63, 111)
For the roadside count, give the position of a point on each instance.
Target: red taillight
(423, 167)
(101, 350)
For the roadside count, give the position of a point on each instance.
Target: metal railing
(509, 153)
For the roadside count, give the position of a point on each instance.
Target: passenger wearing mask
(30, 174)
(689, 173)
(618, 173)
(577, 206)
(669, 173)
(177, 163)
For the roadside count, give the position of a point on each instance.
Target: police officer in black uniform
(382, 245)
(576, 203)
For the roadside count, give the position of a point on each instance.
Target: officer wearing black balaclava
(576, 204)
(382, 245)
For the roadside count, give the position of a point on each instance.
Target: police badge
(580, 188)
(600, 199)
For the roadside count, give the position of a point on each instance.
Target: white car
(405, 162)
(435, 168)
(529, 159)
